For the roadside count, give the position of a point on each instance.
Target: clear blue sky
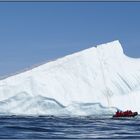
(32, 33)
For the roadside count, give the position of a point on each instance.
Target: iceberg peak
(110, 47)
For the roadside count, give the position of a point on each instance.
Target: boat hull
(125, 115)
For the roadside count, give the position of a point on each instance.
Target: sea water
(68, 127)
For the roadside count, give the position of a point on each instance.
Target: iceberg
(95, 81)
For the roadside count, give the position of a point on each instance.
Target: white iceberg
(94, 81)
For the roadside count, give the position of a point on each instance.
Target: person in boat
(118, 113)
(130, 112)
(127, 113)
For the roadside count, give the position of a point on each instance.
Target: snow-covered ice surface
(95, 81)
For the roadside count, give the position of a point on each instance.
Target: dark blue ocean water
(68, 127)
